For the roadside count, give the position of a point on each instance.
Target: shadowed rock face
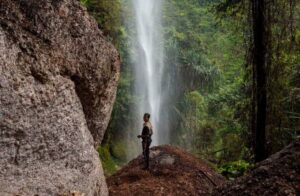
(58, 80)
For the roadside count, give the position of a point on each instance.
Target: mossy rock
(108, 163)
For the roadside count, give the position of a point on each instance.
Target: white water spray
(149, 65)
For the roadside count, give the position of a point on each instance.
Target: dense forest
(235, 75)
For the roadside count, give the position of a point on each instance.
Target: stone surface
(58, 79)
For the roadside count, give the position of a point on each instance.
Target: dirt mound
(173, 171)
(277, 175)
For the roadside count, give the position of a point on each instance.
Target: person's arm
(143, 136)
(150, 132)
(150, 129)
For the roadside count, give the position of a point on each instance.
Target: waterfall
(148, 62)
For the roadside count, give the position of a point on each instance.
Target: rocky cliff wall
(58, 79)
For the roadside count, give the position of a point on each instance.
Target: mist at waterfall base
(150, 86)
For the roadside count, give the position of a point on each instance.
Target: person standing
(146, 139)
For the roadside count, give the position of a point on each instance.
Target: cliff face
(58, 79)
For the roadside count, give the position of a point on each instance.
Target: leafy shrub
(234, 169)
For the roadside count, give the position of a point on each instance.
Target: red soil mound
(173, 171)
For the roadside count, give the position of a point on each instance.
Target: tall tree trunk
(259, 61)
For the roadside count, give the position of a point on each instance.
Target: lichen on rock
(58, 79)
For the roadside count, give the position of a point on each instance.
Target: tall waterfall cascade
(148, 62)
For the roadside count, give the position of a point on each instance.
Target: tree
(259, 63)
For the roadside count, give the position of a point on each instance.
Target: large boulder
(173, 171)
(58, 79)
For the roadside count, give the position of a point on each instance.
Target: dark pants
(146, 144)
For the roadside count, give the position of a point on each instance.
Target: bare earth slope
(277, 175)
(58, 79)
(172, 172)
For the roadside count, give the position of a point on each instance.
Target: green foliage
(187, 27)
(108, 15)
(206, 46)
(210, 56)
(84, 2)
(109, 164)
(234, 169)
(194, 127)
(112, 156)
(282, 61)
(123, 103)
(118, 150)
